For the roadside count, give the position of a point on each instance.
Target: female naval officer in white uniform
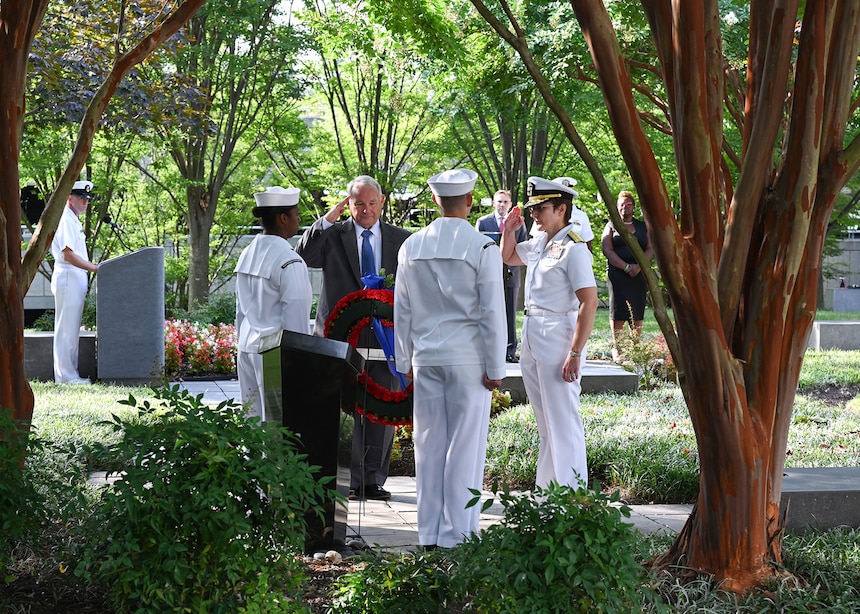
(560, 305)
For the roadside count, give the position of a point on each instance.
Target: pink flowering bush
(196, 349)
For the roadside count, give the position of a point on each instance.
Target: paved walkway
(393, 525)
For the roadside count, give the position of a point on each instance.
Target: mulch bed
(832, 395)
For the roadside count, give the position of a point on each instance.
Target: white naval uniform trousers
(556, 268)
(450, 329)
(273, 293)
(69, 286)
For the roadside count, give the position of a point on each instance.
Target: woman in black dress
(627, 288)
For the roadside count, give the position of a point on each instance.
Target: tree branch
(89, 124)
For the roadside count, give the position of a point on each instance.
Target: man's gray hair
(363, 180)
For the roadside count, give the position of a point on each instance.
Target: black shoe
(375, 493)
(352, 494)
(511, 358)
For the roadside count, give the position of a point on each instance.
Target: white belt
(372, 354)
(531, 311)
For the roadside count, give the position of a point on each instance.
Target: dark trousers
(512, 290)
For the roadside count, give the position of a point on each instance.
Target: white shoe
(79, 381)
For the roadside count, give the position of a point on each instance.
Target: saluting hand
(514, 219)
(335, 212)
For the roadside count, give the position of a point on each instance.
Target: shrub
(556, 550)
(501, 401)
(45, 322)
(208, 513)
(646, 355)
(19, 499)
(402, 436)
(221, 309)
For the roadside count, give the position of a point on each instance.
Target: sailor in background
(69, 283)
(560, 305)
(273, 292)
(492, 225)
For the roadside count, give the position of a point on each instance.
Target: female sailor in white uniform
(273, 292)
(560, 305)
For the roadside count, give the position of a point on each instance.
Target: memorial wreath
(350, 316)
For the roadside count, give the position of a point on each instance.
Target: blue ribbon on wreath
(384, 335)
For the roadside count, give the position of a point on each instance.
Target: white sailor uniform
(449, 324)
(69, 286)
(556, 269)
(273, 293)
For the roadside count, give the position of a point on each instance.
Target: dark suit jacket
(488, 223)
(335, 251)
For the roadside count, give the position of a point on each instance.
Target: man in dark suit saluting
(492, 225)
(346, 250)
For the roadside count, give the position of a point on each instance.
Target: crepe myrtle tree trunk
(742, 278)
(740, 252)
(21, 20)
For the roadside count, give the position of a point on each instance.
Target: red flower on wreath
(350, 316)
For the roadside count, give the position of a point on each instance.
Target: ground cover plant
(643, 444)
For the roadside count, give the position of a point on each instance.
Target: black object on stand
(116, 229)
(308, 380)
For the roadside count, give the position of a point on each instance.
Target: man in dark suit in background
(346, 250)
(492, 224)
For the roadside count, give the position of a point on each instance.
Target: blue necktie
(368, 262)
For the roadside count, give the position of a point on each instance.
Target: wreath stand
(346, 322)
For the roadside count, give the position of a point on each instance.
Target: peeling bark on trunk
(21, 20)
(744, 292)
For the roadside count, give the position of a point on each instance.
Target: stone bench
(39, 355)
(834, 335)
(597, 376)
(821, 497)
